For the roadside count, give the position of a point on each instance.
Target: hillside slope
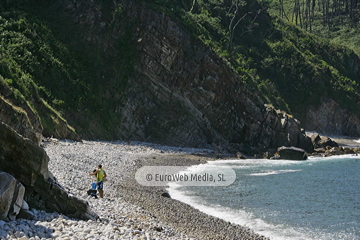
(288, 67)
(157, 72)
(337, 21)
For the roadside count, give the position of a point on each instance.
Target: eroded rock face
(330, 118)
(28, 163)
(181, 93)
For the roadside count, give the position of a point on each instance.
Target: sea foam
(311, 199)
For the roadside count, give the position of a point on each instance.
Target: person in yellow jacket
(100, 175)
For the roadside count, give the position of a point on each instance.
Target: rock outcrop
(181, 93)
(173, 90)
(322, 142)
(330, 118)
(28, 163)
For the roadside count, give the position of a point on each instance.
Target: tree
(233, 23)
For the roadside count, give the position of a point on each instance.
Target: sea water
(280, 199)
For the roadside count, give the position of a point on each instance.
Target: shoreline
(182, 216)
(198, 225)
(128, 210)
(342, 141)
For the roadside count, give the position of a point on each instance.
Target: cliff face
(330, 118)
(119, 70)
(180, 92)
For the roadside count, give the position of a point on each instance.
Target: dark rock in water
(28, 163)
(292, 153)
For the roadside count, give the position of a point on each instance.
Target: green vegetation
(28, 63)
(337, 20)
(289, 67)
(47, 66)
(61, 71)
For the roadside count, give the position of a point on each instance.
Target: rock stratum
(332, 119)
(157, 83)
(181, 93)
(25, 161)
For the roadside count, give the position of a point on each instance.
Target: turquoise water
(314, 199)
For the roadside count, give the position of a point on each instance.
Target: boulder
(11, 197)
(288, 132)
(165, 194)
(292, 153)
(322, 141)
(327, 142)
(7, 189)
(349, 151)
(17, 201)
(305, 143)
(28, 163)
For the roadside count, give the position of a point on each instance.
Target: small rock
(23, 238)
(166, 194)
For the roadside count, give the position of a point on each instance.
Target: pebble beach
(128, 210)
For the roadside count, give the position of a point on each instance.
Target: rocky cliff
(180, 92)
(147, 79)
(331, 119)
(28, 163)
